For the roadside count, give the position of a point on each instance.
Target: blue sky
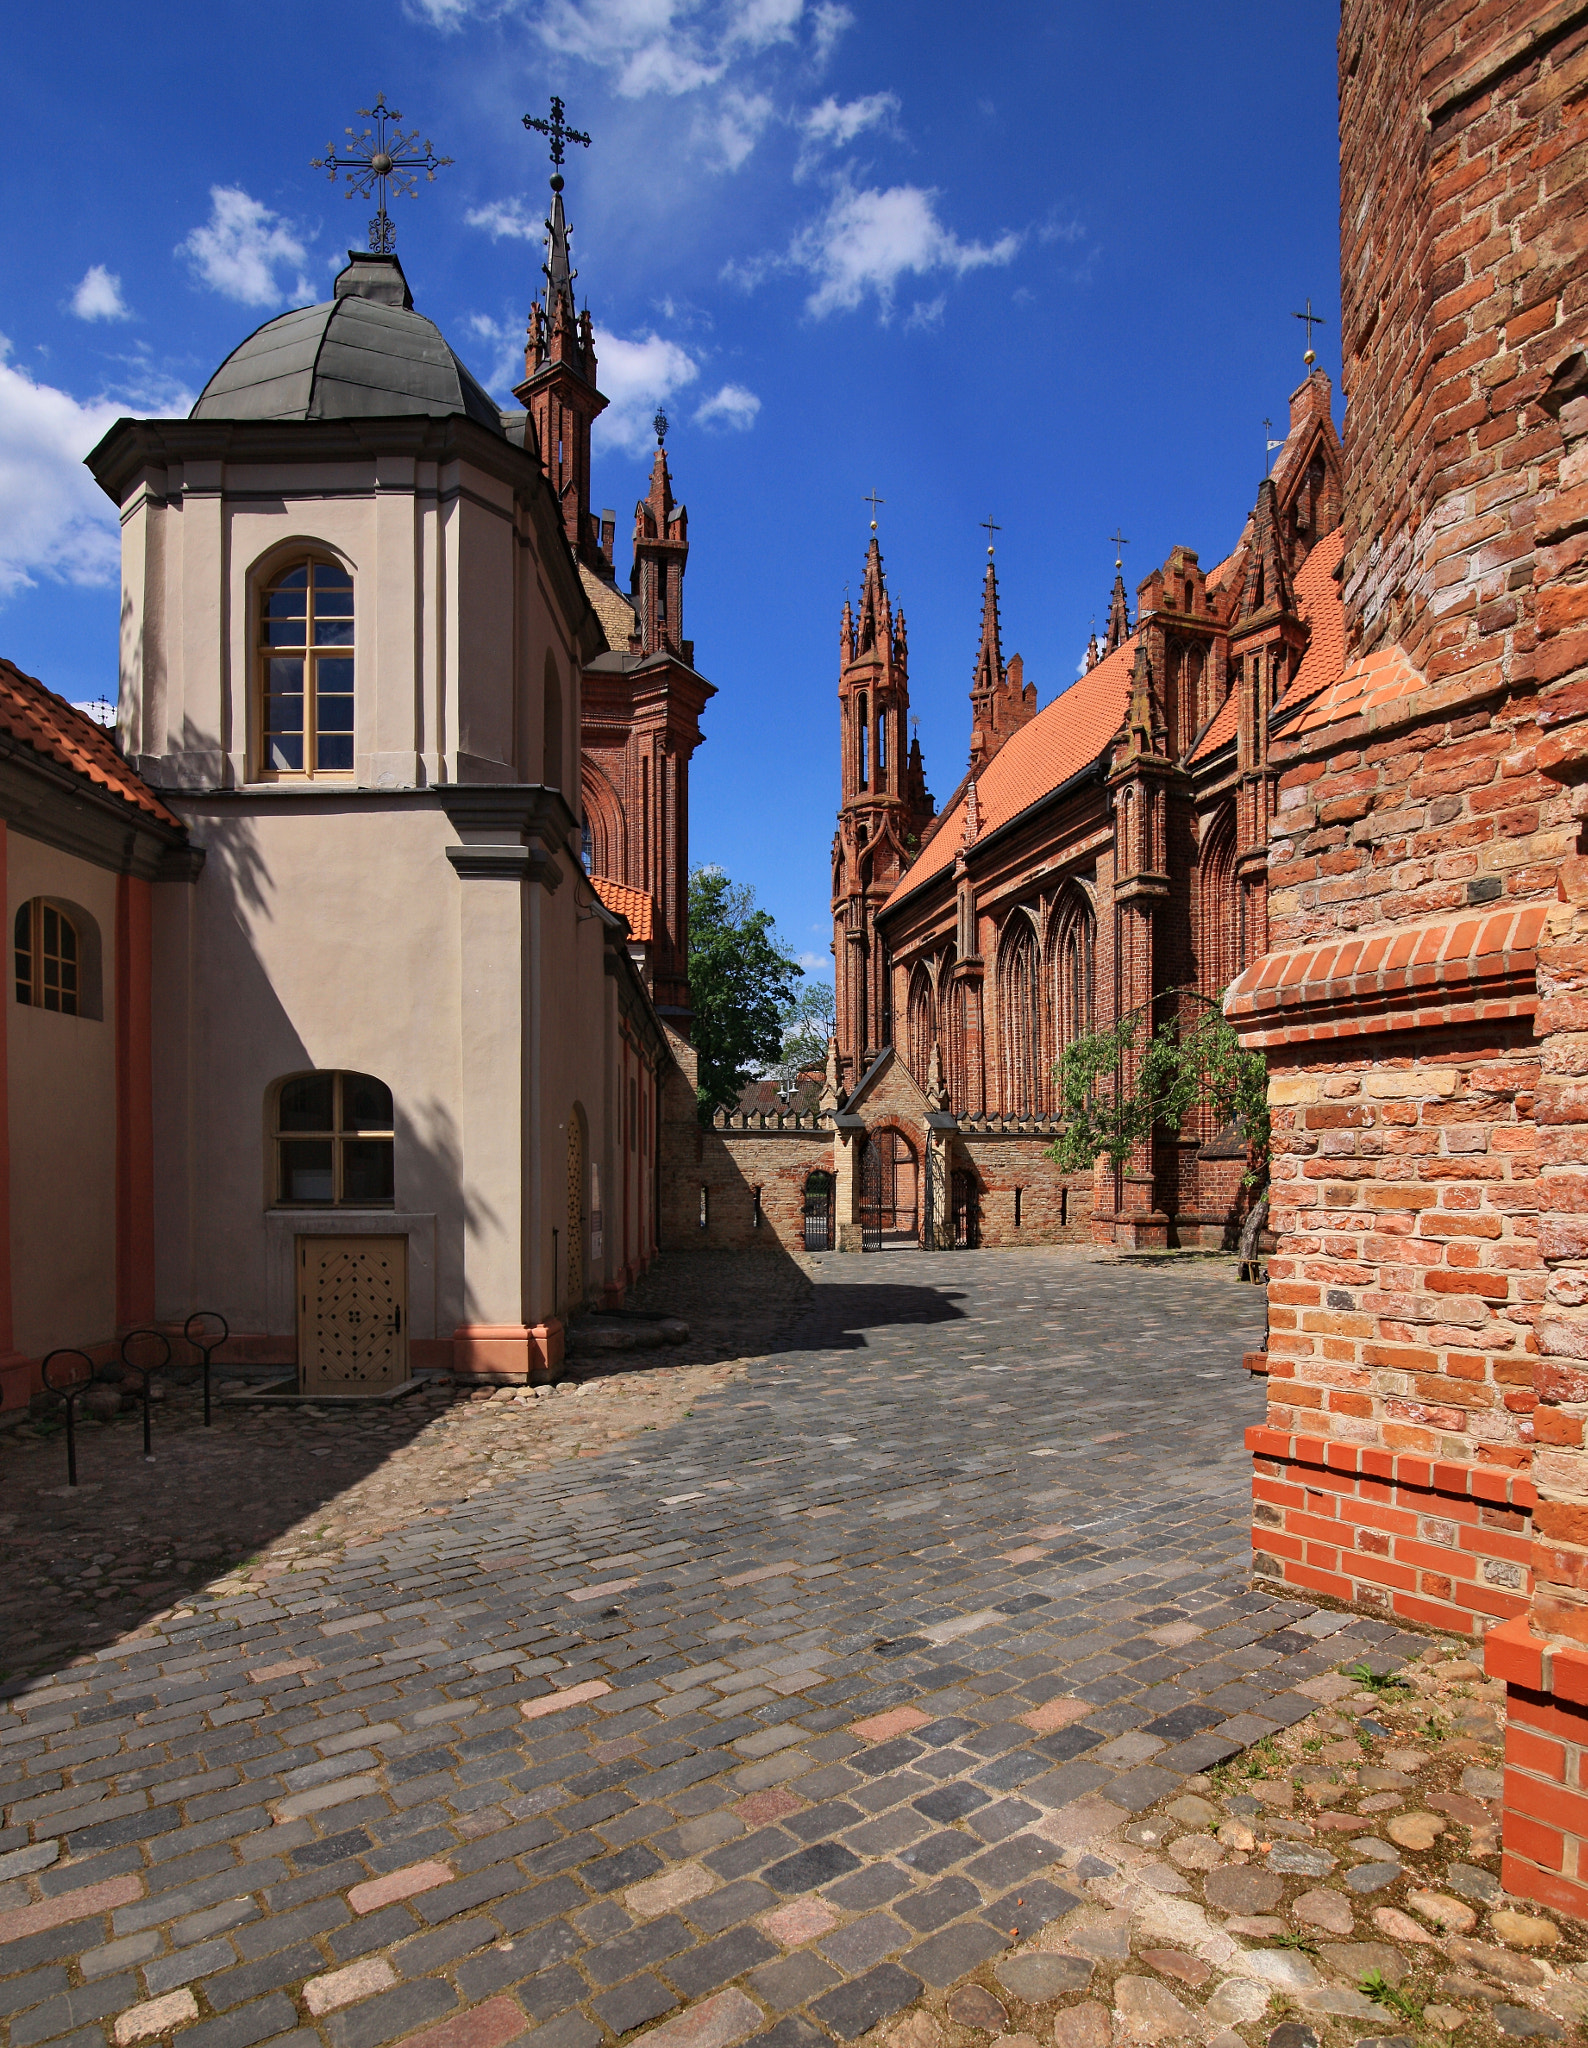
(1033, 261)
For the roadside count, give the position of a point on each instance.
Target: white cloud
(838, 122)
(638, 376)
(446, 15)
(240, 248)
(505, 339)
(732, 406)
(644, 41)
(98, 297)
(756, 24)
(828, 23)
(507, 217)
(734, 125)
(868, 240)
(54, 519)
(927, 312)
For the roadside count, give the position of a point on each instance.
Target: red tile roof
(35, 715)
(1064, 737)
(1376, 679)
(634, 904)
(1318, 602)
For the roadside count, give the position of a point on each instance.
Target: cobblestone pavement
(772, 1722)
(266, 1489)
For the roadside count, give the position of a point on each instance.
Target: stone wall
(1055, 1207)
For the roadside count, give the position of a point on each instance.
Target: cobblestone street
(779, 1715)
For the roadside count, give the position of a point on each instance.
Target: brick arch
(1023, 1031)
(921, 1020)
(1218, 928)
(603, 819)
(1072, 966)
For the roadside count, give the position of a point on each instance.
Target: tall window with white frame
(305, 686)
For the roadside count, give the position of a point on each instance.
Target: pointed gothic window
(304, 721)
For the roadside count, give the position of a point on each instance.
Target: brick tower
(883, 809)
(559, 389)
(1001, 701)
(1426, 1019)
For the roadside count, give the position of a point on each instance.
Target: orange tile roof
(32, 713)
(1376, 679)
(1063, 737)
(1318, 602)
(634, 904)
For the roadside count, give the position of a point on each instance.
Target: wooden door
(352, 1314)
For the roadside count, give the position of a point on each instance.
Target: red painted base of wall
(1438, 1543)
(507, 1353)
(1545, 1841)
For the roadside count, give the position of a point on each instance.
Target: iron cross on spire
(375, 161)
(873, 501)
(1119, 541)
(557, 131)
(992, 527)
(1313, 320)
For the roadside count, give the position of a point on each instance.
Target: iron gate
(819, 1212)
(871, 1198)
(966, 1219)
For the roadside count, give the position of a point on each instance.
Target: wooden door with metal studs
(352, 1314)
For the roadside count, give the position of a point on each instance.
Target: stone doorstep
(284, 1393)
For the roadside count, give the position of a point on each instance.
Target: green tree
(1108, 1114)
(808, 1022)
(742, 981)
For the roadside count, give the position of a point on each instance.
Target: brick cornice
(1495, 1485)
(1462, 968)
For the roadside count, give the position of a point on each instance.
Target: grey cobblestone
(862, 1485)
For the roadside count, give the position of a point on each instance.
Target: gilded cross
(1313, 320)
(873, 501)
(557, 131)
(992, 527)
(375, 162)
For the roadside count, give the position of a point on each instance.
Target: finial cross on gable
(1313, 320)
(375, 161)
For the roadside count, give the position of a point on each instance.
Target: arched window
(305, 693)
(1022, 1068)
(1073, 960)
(1220, 939)
(922, 1021)
(48, 958)
(335, 1142)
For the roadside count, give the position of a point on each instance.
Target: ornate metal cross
(1313, 320)
(873, 501)
(1119, 541)
(660, 424)
(992, 527)
(377, 161)
(559, 133)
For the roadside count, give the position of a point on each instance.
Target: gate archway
(890, 1191)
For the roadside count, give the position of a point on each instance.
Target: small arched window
(335, 1142)
(305, 689)
(48, 958)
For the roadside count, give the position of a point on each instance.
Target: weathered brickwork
(1423, 1009)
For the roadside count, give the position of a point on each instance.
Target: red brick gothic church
(1103, 856)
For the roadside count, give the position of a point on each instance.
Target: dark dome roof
(365, 355)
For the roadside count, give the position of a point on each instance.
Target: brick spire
(1000, 701)
(1118, 615)
(661, 551)
(559, 388)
